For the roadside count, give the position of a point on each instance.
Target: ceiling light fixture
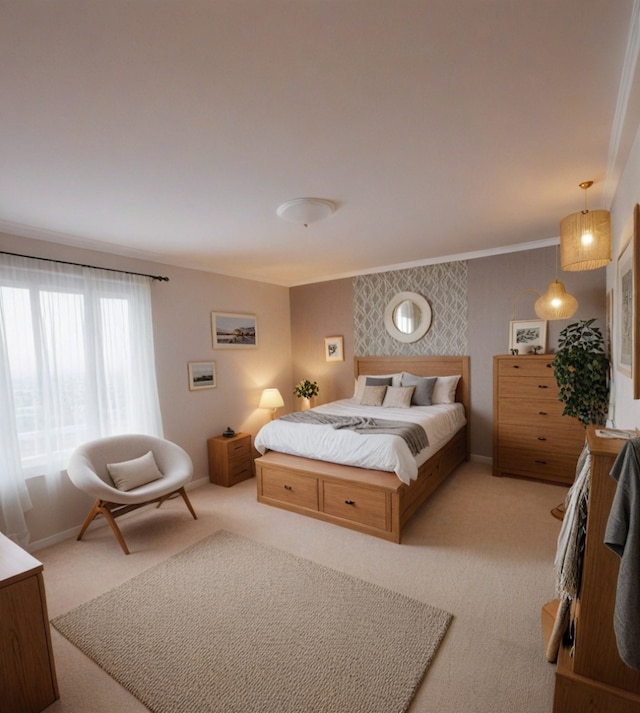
(585, 237)
(556, 302)
(306, 210)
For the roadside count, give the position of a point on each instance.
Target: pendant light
(556, 302)
(585, 237)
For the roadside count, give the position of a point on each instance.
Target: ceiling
(173, 129)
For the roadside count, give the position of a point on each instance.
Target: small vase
(306, 404)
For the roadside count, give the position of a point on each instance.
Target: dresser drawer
(292, 488)
(363, 505)
(535, 414)
(523, 366)
(529, 388)
(543, 437)
(557, 467)
(239, 449)
(239, 469)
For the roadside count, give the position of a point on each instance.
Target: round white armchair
(126, 472)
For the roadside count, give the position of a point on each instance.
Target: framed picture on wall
(234, 331)
(202, 375)
(333, 349)
(528, 336)
(628, 271)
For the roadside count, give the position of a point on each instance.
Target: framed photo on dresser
(528, 336)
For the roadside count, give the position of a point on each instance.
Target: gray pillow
(378, 381)
(424, 388)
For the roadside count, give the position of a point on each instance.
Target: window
(79, 358)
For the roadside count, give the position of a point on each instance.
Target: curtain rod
(160, 278)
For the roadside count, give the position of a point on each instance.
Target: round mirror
(407, 317)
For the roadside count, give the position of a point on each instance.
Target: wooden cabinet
(590, 675)
(531, 437)
(27, 673)
(230, 459)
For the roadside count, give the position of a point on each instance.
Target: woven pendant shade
(585, 238)
(556, 303)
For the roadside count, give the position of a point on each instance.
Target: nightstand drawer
(290, 488)
(368, 507)
(240, 448)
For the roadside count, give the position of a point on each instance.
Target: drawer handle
(542, 386)
(288, 487)
(542, 462)
(549, 365)
(542, 413)
(541, 438)
(349, 502)
(516, 366)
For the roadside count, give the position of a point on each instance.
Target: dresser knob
(542, 413)
(288, 487)
(541, 438)
(349, 502)
(542, 462)
(542, 386)
(516, 366)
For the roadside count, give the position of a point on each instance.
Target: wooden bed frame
(371, 501)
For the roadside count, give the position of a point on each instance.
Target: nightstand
(230, 459)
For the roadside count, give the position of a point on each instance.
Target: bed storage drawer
(290, 487)
(351, 502)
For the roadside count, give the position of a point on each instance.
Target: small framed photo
(528, 336)
(333, 349)
(234, 331)
(202, 375)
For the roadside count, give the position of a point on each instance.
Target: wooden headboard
(421, 366)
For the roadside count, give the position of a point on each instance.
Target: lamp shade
(556, 303)
(271, 398)
(585, 240)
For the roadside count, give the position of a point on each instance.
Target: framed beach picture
(333, 349)
(202, 375)
(234, 331)
(528, 336)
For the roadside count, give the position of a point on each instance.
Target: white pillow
(361, 382)
(444, 391)
(132, 474)
(398, 396)
(373, 395)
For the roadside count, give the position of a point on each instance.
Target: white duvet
(376, 451)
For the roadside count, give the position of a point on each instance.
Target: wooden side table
(230, 459)
(27, 673)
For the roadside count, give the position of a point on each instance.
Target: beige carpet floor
(481, 548)
(285, 634)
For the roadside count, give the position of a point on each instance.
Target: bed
(373, 501)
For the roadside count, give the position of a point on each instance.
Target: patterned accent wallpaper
(444, 286)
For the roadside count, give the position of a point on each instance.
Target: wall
(182, 333)
(488, 286)
(625, 410)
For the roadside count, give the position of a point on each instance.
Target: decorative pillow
(424, 386)
(445, 390)
(132, 474)
(373, 395)
(398, 396)
(361, 382)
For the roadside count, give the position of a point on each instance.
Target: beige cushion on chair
(134, 473)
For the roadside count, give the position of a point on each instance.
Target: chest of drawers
(531, 437)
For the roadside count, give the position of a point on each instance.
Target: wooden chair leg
(114, 527)
(95, 510)
(183, 492)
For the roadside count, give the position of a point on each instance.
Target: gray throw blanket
(413, 434)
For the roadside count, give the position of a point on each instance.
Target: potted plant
(581, 368)
(306, 390)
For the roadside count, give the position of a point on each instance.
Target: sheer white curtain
(76, 363)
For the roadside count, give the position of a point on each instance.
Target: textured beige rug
(233, 626)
